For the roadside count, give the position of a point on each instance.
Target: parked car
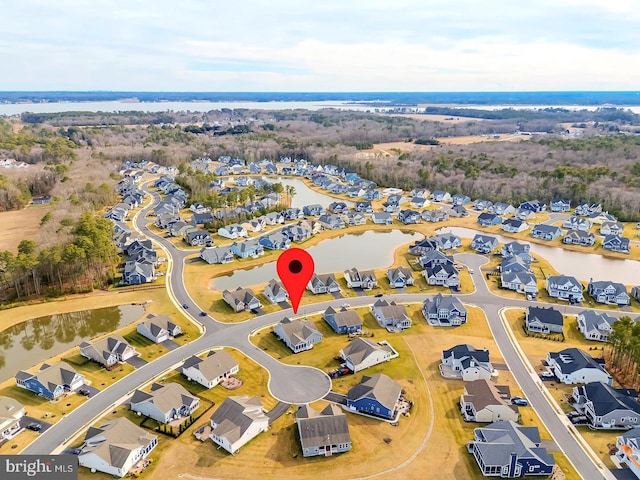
(185, 306)
(84, 391)
(345, 305)
(36, 427)
(378, 295)
(521, 402)
(547, 374)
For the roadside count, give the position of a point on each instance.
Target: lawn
(18, 225)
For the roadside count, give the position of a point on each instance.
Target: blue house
(376, 395)
(343, 320)
(488, 219)
(534, 206)
(275, 241)
(460, 199)
(51, 381)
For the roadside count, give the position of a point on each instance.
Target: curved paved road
(299, 384)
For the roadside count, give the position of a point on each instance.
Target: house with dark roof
(516, 248)
(536, 206)
(468, 362)
(508, 450)
(376, 395)
(446, 241)
(343, 320)
(210, 370)
(484, 401)
(399, 277)
(51, 380)
(544, 320)
(364, 279)
(444, 311)
(488, 219)
(213, 255)
(594, 325)
(560, 205)
(362, 353)
(437, 215)
(513, 225)
(275, 292)
(577, 237)
(108, 351)
(545, 232)
(158, 328)
(564, 287)
(435, 257)
(608, 292)
(164, 403)
(324, 432)
(331, 221)
(323, 283)
(236, 421)
(577, 223)
(115, 447)
(198, 238)
(607, 407)
(390, 315)
(363, 207)
(314, 210)
(484, 243)
(241, 299)
(573, 365)
(409, 217)
(616, 243)
(421, 247)
(298, 335)
(442, 274)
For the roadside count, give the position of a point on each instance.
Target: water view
(305, 195)
(368, 250)
(29, 343)
(583, 266)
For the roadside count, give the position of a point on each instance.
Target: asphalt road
(301, 384)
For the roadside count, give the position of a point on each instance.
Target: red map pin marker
(295, 268)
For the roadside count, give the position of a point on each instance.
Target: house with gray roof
(446, 241)
(381, 218)
(408, 217)
(421, 247)
(468, 362)
(355, 218)
(513, 225)
(544, 320)
(522, 214)
(211, 370)
(365, 279)
(399, 277)
(377, 395)
(115, 447)
(611, 228)
(435, 257)
(441, 196)
(11, 411)
(51, 380)
(391, 315)
(508, 450)
(486, 219)
(500, 208)
(314, 210)
(586, 209)
(275, 241)
(108, 351)
(519, 281)
(577, 223)
(564, 287)
(233, 231)
(164, 403)
(616, 243)
(515, 263)
(338, 207)
(573, 365)
(608, 292)
(560, 205)
(275, 292)
(180, 229)
(594, 325)
(362, 353)
(516, 248)
(444, 311)
(437, 215)
(213, 255)
(249, 248)
(481, 204)
(323, 283)
(484, 401)
(343, 320)
(198, 238)
(324, 432)
(331, 221)
(241, 299)
(628, 453)
(442, 274)
(484, 243)
(606, 407)
(545, 232)
(363, 207)
(577, 237)
(298, 335)
(158, 328)
(460, 199)
(236, 421)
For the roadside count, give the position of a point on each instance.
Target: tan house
(484, 401)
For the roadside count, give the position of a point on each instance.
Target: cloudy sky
(320, 45)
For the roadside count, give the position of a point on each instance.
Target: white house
(468, 362)
(298, 335)
(11, 411)
(164, 403)
(212, 369)
(595, 326)
(362, 353)
(573, 365)
(158, 329)
(236, 421)
(275, 292)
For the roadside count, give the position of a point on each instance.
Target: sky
(320, 45)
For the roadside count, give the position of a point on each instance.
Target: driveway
(277, 411)
(284, 305)
(92, 390)
(136, 362)
(336, 398)
(26, 420)
(169, 344)
(337, 294)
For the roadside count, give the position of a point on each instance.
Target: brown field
(18, 225)
(466, 140)
(439, 118)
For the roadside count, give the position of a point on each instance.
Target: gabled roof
(166, 397)
(571, 360)
(485, 393)
(443, 302)
(465, 350)
(298, 331)
(327, 427)
(379, 387)
(235, 415)
(344, 317)
(548, 315)
(594, 320)
(154, 324)
(605, 399)
(360, 348)
(215, 364)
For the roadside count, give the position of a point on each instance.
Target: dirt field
(466, 140)
(439, 118)
(20, 225)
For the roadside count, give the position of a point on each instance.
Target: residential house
(612, 228)
(254, 225)
(423, 246)
(275, 292)
(343, 320)
(363, 207)
(323, 283)
(331, 221)
(314, 210)
(484, 401)
(515, 263)
(484, 243)
(381, 218)
(390, 206)
(577, 237)
(237, 420)
(545, 232)
(608, 292)
(362, 353)
(409, 217)
(338, 207)
(51, 381)
(560, 205)
(442, 274)
(435, 257)
(513, 225)
(373, 194)
(516, 248)
(202, 218)
(11, 411)
(355, 218)
(508, 450)
(586, 209)
(233, 231)
(399, 277)
(211, 370)
(241, 299)
(522, 214)
(293, 214)
(594, 325)
(446, 241)
(166, 220)
(376, 395)
(535, 206)
(444, 311)
(274, 218)
(573, 365)
(635, 292)
(137, 273)
(441, 196)
(298, 232)
(481, 204)
(577, 223)
(179, 229)
(322, 433)
(198, 238)
(564, 287)
(600, 217)
(419, 202)
(275, 241)
(108, 351)
(521, 282)
(116, 447)
(468, 362)
(248, 248)
(500, 208)
(544, 320)
(390, 315)
(298, 335)
(364, 279)
(213, 255)
(628, 453)
(615, 243)
(438, 215)
(158, 328)
(460, 199)
(164, 403)
(488, 219)
(606, 407)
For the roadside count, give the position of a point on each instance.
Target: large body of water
(368, 250)
(583, 266)
(30, 343)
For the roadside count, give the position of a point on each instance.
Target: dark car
(84, 391)
(378, 295)
(203, 314)
(521, 402)
(185, 306)
(36, 427)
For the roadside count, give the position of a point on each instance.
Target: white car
(345, 305)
